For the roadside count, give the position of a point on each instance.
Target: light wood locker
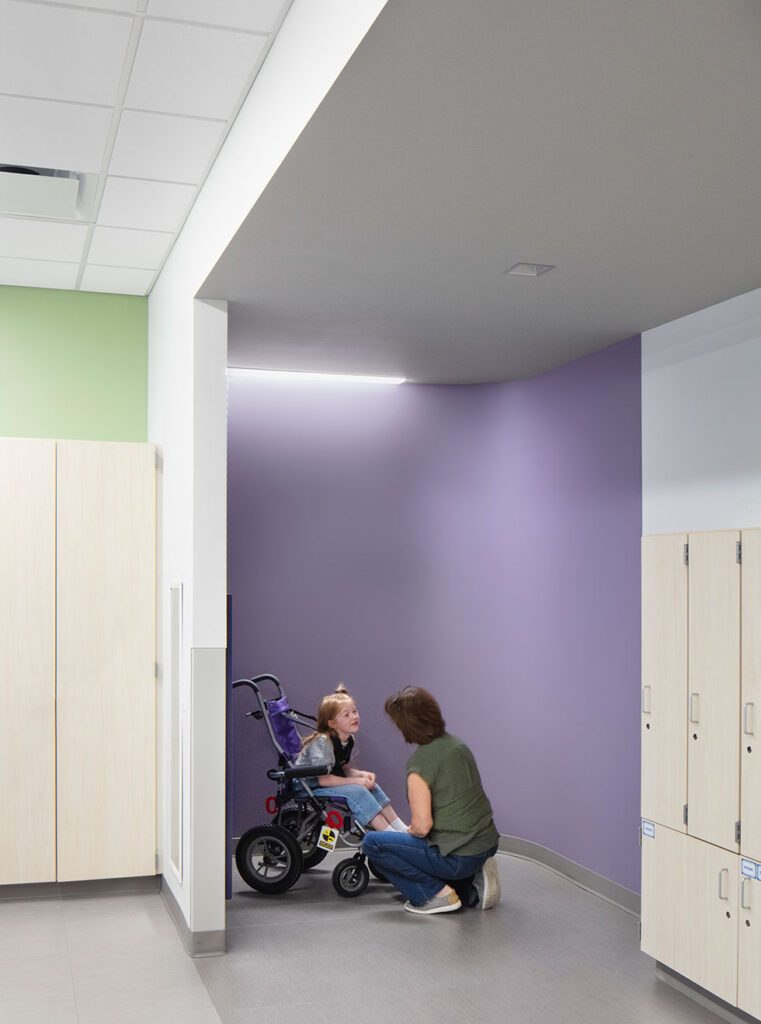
(713, 784)
(27, 661)
(750, 737)
(106, 652)
(689, 899)
(664, 680)
(749, 941)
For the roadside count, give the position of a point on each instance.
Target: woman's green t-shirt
(462, 814)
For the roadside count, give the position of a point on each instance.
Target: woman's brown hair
(416, 714)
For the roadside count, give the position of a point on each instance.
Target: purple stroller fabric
(283, 727)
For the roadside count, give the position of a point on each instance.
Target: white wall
(701, 420)
(187, 419)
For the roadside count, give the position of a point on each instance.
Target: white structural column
(186, 402)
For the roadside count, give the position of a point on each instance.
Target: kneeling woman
(452, 837)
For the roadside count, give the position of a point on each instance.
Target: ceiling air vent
(38, 192)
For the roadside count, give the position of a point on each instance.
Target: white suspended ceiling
(135, 97)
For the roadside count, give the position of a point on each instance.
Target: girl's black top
(342, 753)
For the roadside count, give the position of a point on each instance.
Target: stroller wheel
(310, 851)
(268, 858)
(350, 878)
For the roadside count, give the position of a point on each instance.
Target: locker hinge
(156, 859)
(686, 554)
(640, 835)
(684, 814)
(739, 552)
(155, 670)
(737, 831)
(639, 930)
(156, 459)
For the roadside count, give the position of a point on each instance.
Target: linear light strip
(297, 376)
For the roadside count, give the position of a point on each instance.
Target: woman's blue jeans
(417, 869)
(363, 803)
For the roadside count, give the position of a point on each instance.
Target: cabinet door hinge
(737, 831)
(739, 552)
(686, 554)
(684, 814)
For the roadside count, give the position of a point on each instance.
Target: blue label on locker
(648, 828)
(748, 868)
(758, 872)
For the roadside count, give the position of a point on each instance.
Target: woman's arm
(419, 796)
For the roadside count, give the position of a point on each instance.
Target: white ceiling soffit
(618, 141)
(135, 97)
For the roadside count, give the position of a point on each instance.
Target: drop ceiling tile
(121, 247)
(61, 52)
(41, 239)
(164, 147)
(127, 6)
(185, 69)
(254, 15)
(154, 205)
(42, 133)
(38, 273)
(118, 280)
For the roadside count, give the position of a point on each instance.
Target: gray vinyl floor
(551, 953)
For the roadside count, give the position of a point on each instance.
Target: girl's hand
(364, 781)
(371, 777)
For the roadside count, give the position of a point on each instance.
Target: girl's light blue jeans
(417, 869)
(363, 803)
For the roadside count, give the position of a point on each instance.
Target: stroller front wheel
(350, 877)
(269, 858)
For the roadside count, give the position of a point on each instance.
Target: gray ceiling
(619, 140)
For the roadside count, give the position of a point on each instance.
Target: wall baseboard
(601, 886)
(69, 890)
(702, 996)
(196, 944)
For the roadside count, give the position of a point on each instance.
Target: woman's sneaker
(436, 904)
(487, 884)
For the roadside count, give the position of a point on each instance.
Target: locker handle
(647, 705)
(743, 904)
(693, 706)
(747, 729)
(722, 873)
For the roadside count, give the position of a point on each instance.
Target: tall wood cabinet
(77, 652)
(701, 676)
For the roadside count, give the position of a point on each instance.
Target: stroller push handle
(302, 772)
(256, 680)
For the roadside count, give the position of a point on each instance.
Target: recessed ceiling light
(530, 269)
(296, 376)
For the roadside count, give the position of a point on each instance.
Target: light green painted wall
(73, 365)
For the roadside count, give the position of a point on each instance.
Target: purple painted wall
(480, 541)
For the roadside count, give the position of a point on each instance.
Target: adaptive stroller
(304, 827)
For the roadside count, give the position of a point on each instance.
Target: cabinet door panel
(713, 784)
(749, 951)
(689, 909)
(27, 661)
(750, 753)
(106, 652)
(664, 679)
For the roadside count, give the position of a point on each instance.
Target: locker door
(750, 751)
(689, 909)
(106, 653)
(27, 661)
(713, 754)
(664, 679)
(749, 944)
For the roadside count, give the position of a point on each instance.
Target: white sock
(398, 825)
(389, 828)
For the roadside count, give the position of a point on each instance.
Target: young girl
(332, 744)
